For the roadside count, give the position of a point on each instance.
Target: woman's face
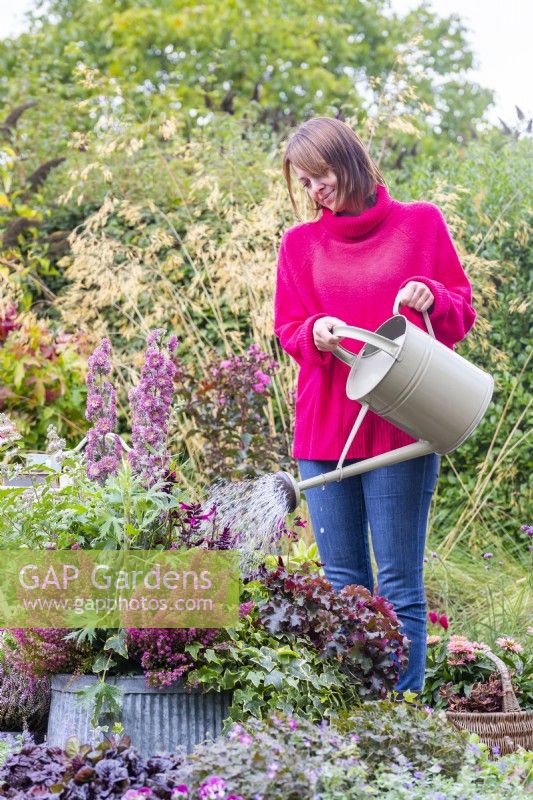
(321, 190)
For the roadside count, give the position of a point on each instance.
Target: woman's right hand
(322, 336)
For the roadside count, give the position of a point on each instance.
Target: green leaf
(275, 679)
(102, 662)
(117, 643)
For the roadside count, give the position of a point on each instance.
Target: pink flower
(261, 377)
(433, 617)
(506, 643)
(433, 640)
(179, 791)
(75, 546)
(226, 364)
(259, 388)
(443, 621)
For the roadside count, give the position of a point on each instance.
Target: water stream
(255, 511)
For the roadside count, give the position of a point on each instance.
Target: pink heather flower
(75, 546)
(293, 724)
(138, 794)
(179, 791)
(433, 617)
(433, 640)
(506, 643)
(226, 364)
(443, 621)
(259, 388)
(245, 738)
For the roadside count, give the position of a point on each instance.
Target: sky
(499, 32)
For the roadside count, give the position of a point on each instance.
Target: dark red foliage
(352, 626)
(485, 697)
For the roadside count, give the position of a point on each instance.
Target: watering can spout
(292, 489)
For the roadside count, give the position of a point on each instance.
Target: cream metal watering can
(413, 381)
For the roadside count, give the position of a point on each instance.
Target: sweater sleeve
(452, 314)
(293, 324)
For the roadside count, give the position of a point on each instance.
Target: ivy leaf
(117, 643)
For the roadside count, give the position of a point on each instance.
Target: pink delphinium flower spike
(103, 451)
(151, 401)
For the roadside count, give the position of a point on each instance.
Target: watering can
(406, 376)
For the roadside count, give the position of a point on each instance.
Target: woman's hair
(324, 143)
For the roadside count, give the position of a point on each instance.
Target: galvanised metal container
(157, 720)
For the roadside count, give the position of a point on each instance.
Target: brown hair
(324, 143)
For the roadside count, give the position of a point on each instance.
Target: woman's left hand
(415, 295)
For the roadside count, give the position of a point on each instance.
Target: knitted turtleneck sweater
(352, 267)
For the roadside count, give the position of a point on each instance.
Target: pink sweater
(352, 267)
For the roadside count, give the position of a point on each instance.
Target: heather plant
(24, 699)
(103, 450)
(359, 630)
(151, 402)
(47, 651)
(224, 409)
(165, 655)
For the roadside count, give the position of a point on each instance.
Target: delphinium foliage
(352, 626)
(103, 451)
(151, 402)
(225, 409)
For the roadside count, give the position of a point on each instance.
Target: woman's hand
(415, 295)
(322, 336)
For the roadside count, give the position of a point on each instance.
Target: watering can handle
(429, 326)
(362, 335)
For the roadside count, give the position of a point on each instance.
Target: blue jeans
(395, 502)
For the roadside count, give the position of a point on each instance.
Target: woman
(347, 267)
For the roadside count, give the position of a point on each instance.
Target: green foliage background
(141, 185)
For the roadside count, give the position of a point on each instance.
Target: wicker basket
(508, 729)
